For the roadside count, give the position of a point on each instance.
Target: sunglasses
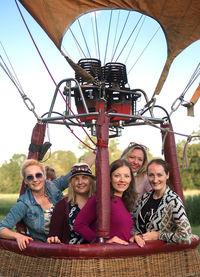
(137, 144)
(80, 168)
(31, 177)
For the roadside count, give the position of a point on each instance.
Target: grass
(7, 201)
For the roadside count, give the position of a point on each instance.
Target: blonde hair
(72, 194)
(128, 151)
(31, 162)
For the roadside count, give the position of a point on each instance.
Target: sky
(17, 121)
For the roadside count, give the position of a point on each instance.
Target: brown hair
(125, 154)
(72, 194)
(165, 166)
(130, 195)
(31, 162)
(50, 172)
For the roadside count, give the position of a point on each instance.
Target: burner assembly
(109, 91)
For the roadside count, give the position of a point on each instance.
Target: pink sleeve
(86, 219)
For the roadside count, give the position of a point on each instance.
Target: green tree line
(62, 161)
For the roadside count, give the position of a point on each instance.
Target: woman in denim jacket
(35, 206)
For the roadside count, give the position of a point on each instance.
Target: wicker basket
(175, 263)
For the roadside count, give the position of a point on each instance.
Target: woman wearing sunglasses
(35, 206)
(123, 196)
(81, 188)
(136, 155)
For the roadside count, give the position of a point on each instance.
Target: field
(191, 192)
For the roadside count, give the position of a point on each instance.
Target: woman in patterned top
(82, 186)
(160, 214)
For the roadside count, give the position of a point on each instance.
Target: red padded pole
(103, 177)
(171, 158)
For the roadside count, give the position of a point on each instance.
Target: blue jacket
(28, 210)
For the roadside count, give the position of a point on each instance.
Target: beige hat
(80, 168)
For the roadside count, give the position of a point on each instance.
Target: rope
(51, 74)
(101, 143)
(167, 130)
(93, 149)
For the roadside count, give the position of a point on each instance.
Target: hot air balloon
(106, 104)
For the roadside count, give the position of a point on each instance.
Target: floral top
(47, 219)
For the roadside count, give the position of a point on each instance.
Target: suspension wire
(193, 78)
(97, 35)
(51, 74)
(15, 77)
(80, 48)
(9, 74)
(95, 44)
(121, 35)
(116, 32)
(129, 37)
(29, 104)
(144, 50)
(135, 40)
(108, 35)
(84, 38)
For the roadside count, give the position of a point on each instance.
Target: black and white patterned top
(74, 238)
(170, 218)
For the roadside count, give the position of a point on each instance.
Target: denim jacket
(28, 210)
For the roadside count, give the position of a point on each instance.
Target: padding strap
(44, 149)
(34, 147)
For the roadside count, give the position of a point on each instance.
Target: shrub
(192, 206)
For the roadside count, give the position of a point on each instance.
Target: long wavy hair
(72, 194)
(125, 154)
(129, 196)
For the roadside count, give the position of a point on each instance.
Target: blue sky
(17, 121)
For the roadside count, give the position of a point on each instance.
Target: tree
(61, 161)
(190, 176)
(10, 179)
